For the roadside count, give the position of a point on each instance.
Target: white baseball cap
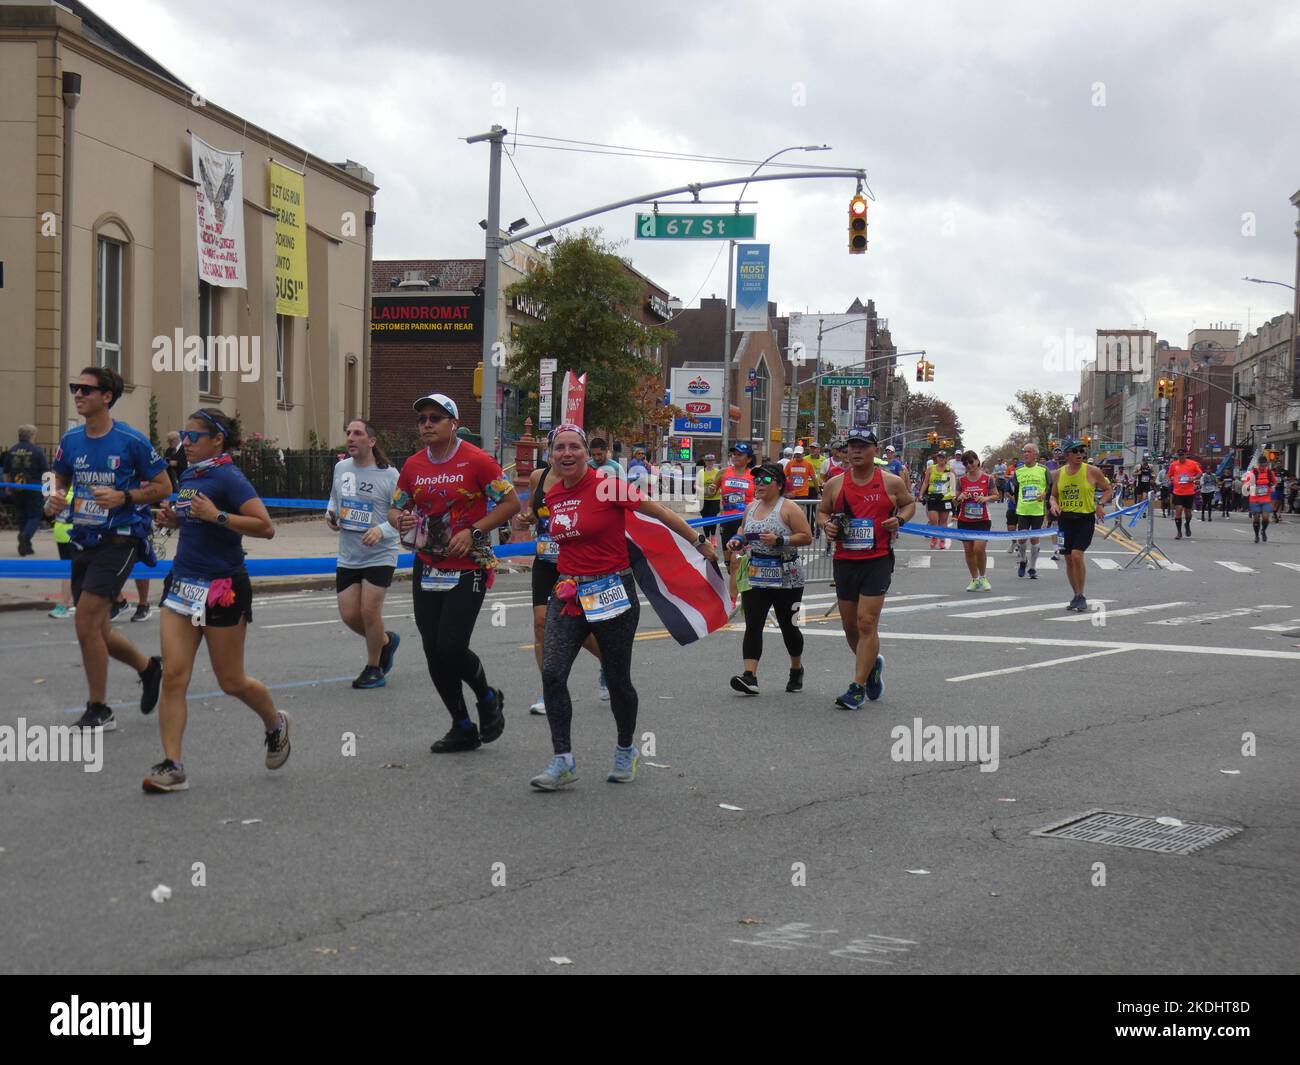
(799, 450)
(788, 451)
(445, 402)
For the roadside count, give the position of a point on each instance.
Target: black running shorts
(225, 617)
(103, 570)
(346, 577)
(1029, 521)
(870, 577)
(545, 574)
(1077, 530)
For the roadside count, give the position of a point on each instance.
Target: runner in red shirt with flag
(440, 508)
(1184, 476)
(592, 519)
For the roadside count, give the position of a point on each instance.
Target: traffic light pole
(495, 243)
(1149, 548)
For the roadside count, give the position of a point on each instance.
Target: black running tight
(784, 602)
(446, 623)
(560, 646)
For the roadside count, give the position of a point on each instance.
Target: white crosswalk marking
(1046, 564)
(1283, 626)
(1289, 565)
(1218, 615)
(1122, 613)
(920, 562)
(1236, 567)
(1020, 610)
(1175, 567)
(1105, 563)
(915, 607)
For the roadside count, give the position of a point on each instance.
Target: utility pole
(491, 289)
(726, 353)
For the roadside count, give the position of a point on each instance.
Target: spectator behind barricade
(25, 463)
(175, 458)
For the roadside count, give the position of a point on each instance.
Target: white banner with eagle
(220, 214)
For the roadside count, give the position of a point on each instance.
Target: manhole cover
(1132, 830)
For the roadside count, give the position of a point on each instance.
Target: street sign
(1261, 428)
(696, 226)
(1110, 445)
(856, 381)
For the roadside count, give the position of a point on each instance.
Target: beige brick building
(123, 270)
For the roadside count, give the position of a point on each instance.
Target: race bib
(547, 548)
(1029, 493)
(439, 580)
(860, 535)
(356, 515)
(797, 480)
(973, 511)
(764, 572)
(85, 511)
(604, 599)
(1184, 478)
(188, 597)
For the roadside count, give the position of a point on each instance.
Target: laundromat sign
(428, 319)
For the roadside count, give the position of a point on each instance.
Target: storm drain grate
(1132, 830)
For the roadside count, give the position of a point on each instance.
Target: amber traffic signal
(858, 225)
(929, 371)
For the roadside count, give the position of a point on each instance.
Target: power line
(525, 187)
(648, 153)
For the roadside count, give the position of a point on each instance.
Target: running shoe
(370, 677)
(626, 759)
(61, 611)
(1056, 556)
(974, 585)
(795, 683)
(1033, 574)
(876, 679)
(602, 692)
(1020, 570)
(277, 743)
(853, 698)
(151, 682)
(1074, 603)
(746, 683)
(388, 652)
(491, 715)
(1264, 532)
(558, 772)
(116, 611)
(458, 739)
(943, 545)
(97, 715)
(166, 776)
(985, 586)
(1082, 607)
(143, 612)
(538, 708)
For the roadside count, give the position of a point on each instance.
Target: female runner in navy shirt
(208, 595)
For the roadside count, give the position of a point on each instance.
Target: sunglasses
(193, 436)
(432, 419)
(78, 389)
(769, 479)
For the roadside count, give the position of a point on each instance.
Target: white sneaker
(538, 708)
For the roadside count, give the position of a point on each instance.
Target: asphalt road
(398, 860)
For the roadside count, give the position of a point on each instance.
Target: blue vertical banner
(751, 287)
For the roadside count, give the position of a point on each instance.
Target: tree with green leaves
(920, 410)
(587, 298)
(1045, 415)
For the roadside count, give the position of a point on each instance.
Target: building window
(282, 352)
(351, 404)
(108, 305)
(758, 404)
(207, 327)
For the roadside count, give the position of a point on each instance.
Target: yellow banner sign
(289, 205)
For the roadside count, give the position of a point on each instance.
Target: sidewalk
(294, 538)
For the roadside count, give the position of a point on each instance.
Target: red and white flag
(574, 400)
(685, 589)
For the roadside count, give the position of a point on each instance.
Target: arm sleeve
(333, 504)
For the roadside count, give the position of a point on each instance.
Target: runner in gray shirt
(363, 489)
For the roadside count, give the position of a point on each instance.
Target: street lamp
(1261, 281)
(728, 316)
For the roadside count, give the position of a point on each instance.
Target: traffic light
(1087, 441)
(933, 438)
(929, 371)
(920, 369)
(1164, 387)
(858, 225)
(478, 381)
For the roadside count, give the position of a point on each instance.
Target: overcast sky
(1039, 169)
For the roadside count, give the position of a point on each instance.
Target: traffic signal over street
(858, 225)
